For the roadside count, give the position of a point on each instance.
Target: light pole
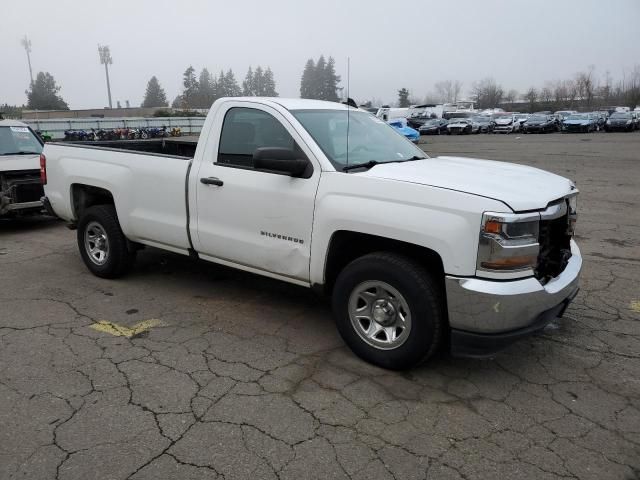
(105, 59)
(26, 43)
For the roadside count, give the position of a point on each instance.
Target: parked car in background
(485, 122)
(600, 120)
(619, 121)
(580, 122)
(400, 124)
(459, 126)
(540, 124)
(521, 118)
(20, 185)
(434, 126)
(506, 123)
(635, 115)
(562, 114)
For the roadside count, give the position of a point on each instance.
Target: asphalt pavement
(186, 370)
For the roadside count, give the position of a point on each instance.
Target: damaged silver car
(20, 184)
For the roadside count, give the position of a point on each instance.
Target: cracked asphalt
(244, 377)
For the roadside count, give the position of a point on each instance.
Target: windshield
(432, 121)
(370, 139)
(624, 116)
(504, 117)
(538, 118)
(578, 117)
(18, 140)
(481, 120)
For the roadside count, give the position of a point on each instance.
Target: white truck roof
(294, 103)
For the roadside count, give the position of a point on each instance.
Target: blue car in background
(400, 124)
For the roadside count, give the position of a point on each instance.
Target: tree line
(319, 80)
(584, 90)
(202, 91)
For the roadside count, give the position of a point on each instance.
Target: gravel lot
(244, 377)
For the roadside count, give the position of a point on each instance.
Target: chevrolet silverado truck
(20, 186)
(417, 254)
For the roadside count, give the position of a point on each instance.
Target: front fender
(445, 221)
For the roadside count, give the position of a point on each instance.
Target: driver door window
(246, 129)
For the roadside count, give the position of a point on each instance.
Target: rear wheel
(103, 247)
(389, 310)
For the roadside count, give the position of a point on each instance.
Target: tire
(110, 256)
(409, 288)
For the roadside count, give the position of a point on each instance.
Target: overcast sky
(392, 44)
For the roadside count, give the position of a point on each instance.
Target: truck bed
(148, 187)
(184, 147)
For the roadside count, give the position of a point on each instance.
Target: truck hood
(520, 187)
(19, 162)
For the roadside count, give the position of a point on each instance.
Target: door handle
(212, 181)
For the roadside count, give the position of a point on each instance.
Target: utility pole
(26, 43)
(105, 59)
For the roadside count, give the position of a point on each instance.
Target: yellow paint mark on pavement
(635, 306)
(121, 331)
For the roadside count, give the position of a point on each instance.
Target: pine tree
(43, 94)
(178, 102)
(306, 82)
(269, 84)
(191, 87)
(403, 98)
(231, 85)
(248, 88)
(330, 82)
(221, 86)
(206, 93)
(258, 81)
(155, 95)
(318, 78)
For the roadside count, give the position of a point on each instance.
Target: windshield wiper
(373, 163)
(21, 153)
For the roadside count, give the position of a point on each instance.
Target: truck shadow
(209, 281)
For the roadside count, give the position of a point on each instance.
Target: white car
(20, 185)
(506, 123)
(417, 254)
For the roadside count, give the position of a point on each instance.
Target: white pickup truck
(416, 253)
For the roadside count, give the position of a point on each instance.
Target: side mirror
(280, 160)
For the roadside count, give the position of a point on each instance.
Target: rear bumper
(499, 312)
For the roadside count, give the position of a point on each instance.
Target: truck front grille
(555, 248)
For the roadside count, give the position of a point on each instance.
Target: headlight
(573, 214)
(508, 243)
(628, 122)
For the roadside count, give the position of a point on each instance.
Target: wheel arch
(84, 196)
(346, 245)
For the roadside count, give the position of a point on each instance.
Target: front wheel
(389, 310)
(103, 247)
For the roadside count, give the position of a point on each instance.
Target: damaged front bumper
(20, 192)
(487, 315)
